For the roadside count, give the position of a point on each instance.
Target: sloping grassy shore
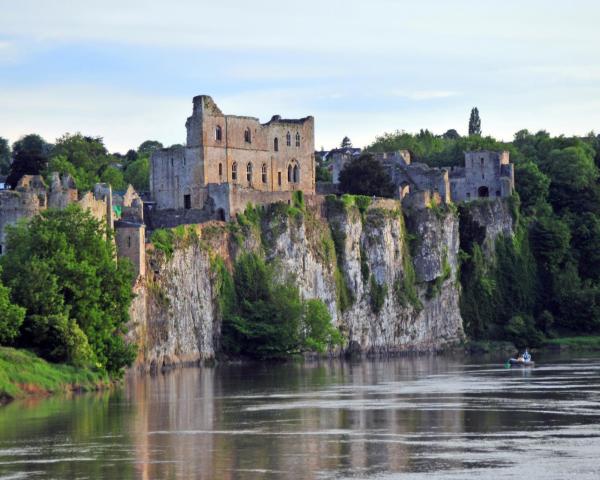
(575, 343)
(22, 374)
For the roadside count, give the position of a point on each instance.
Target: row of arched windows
(293, 173)
(248, 137)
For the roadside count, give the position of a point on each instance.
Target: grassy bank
(575, 343)
(22, 374)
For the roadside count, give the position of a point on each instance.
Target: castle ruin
(230, 161)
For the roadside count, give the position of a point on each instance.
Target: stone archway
(483, 192)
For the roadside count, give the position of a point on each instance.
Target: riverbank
(586, 342)
(23, 374)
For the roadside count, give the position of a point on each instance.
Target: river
(407, 418)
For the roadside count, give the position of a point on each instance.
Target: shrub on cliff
(266, 319)
(61, 268)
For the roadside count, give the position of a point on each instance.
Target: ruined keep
(231, 160)
(485, 174)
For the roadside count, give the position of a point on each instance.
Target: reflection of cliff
(388, 278)
(291, 421)
(173, 424)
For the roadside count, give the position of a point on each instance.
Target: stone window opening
(483, 176)
(288, 139)
(0, 249)
(128, 242)
(247, 136)
(482, 161)
(234, 171)
(497, 193)
(264, 172)
(220, 169)
(276, 144)
(187, 201)
(483, 192)
(171, 162)
(289, 174)
(297, 139)
(249, 172)
(279, 178)
(468, 194)
(218, 133)
(296, 174)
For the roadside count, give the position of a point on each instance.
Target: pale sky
(127, 70)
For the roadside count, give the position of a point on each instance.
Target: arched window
(297, 139)
(276, 144)
(289, 174)
(218, 133)
(234, 171)
(247, 136)
(264, 172)
(220, 169)
(296, 174)
(249, 172)
(288, 139)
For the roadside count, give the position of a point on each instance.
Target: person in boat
(526, 356)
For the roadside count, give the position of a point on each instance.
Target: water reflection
(402, 418)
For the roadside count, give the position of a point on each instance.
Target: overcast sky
(127, 70)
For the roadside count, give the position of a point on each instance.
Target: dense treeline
(85, 158)
(545, 281)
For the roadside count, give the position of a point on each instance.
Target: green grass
(582, 343)
(22, 373)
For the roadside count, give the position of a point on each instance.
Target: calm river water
(404, 418)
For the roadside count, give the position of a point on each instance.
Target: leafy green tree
(149, 146)
(532, 185)
(474, 122)
(114, 177)
(366, 176)
(89, 158)
(137, 174)
(61, 268)
(30, 157)
(323, 174)
(346, 143)
(11, 317)
(5, 156)
(266, 319)
(318, 333)
(451, 134)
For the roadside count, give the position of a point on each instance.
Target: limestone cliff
(388, 277)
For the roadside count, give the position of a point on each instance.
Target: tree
(88, 155)
(531, 184)
(149, 146)
(30, 157)
(4, 156)
(451, 134)
(11, 317)
(474, 122)
(137, 174)
(364, 175)
(61, 268)
(266, 319)
(346, 143)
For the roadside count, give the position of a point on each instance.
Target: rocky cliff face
(388, 278)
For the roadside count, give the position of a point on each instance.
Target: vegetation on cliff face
(60, 268)
(263, 318)
(546, 281)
